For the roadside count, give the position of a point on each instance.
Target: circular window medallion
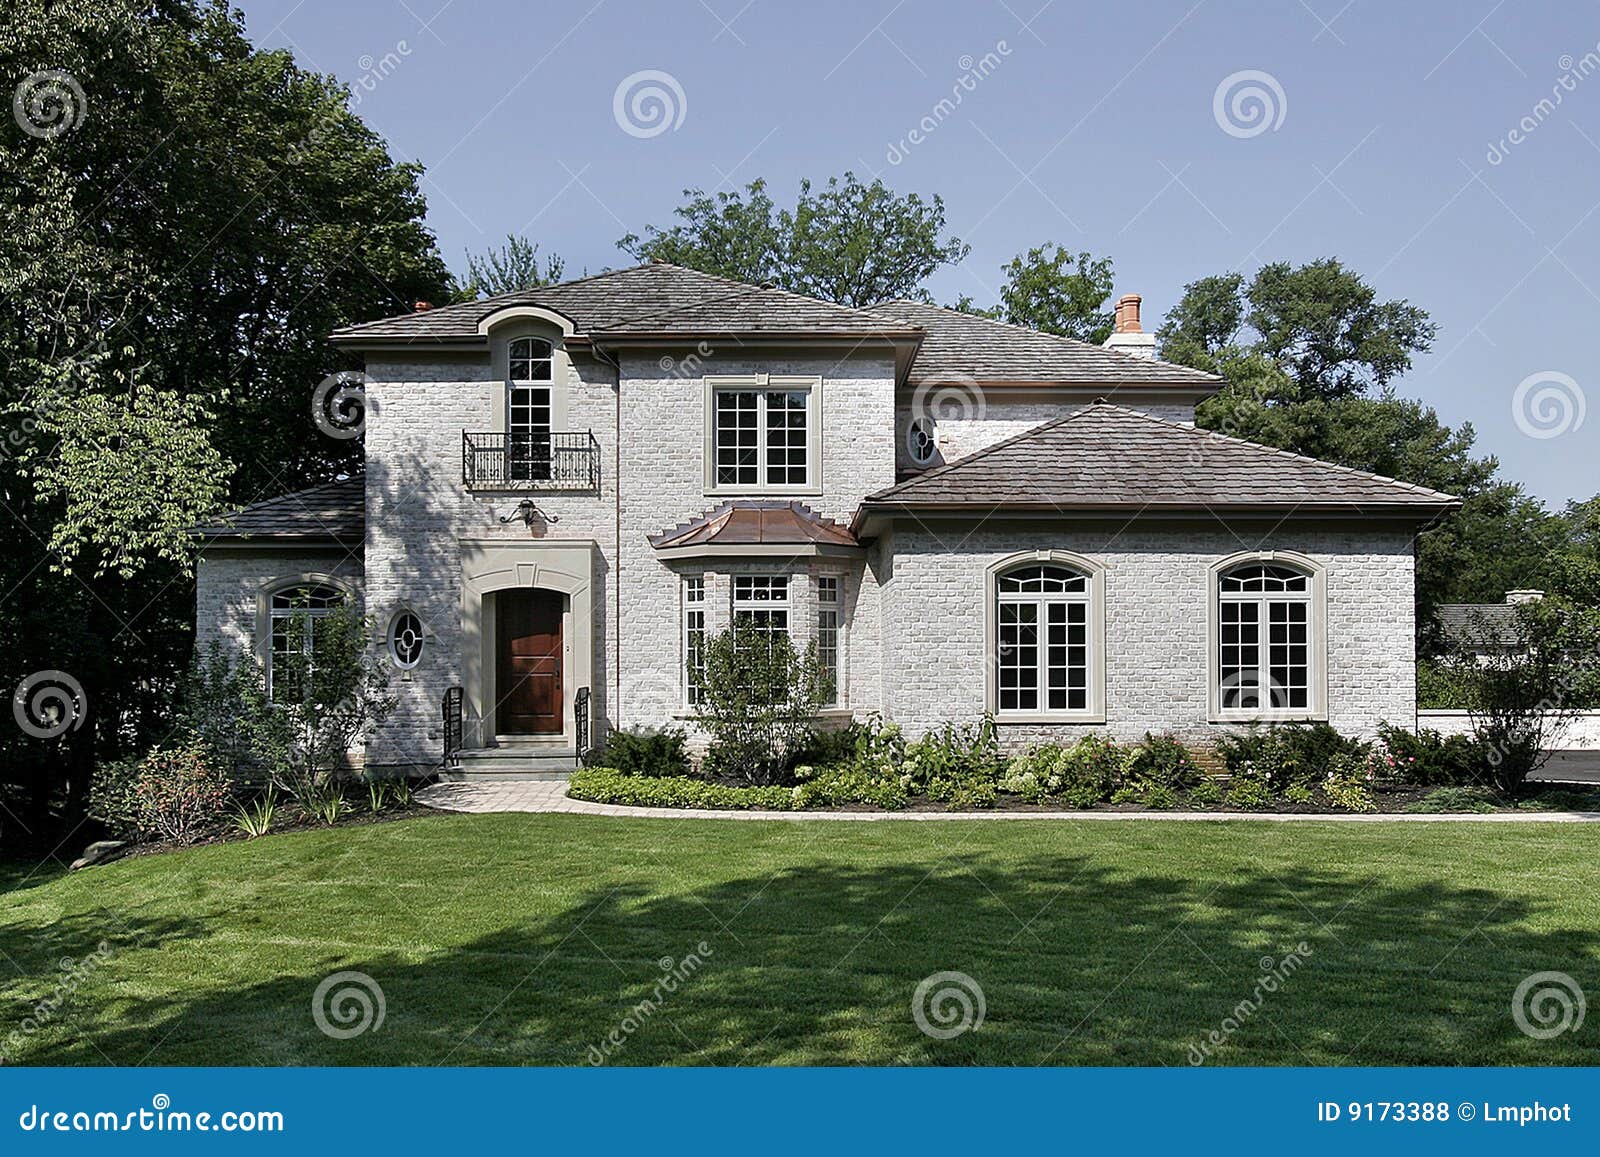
(405, 640)
(920, 443)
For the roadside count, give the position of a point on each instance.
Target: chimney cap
(1127, 314)
(423, 306)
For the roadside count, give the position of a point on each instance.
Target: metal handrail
(452, 727)
(581, 725)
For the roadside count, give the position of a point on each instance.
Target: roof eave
(1418, 511)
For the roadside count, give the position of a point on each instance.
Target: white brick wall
(965, 430)
(228, 584)
(1156, 620)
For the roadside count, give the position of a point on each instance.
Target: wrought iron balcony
(530, 461)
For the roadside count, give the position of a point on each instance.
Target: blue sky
(1097, 126)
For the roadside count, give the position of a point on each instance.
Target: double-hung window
(529, 361)
(1265, 645)
(763, 434)
(1043, 639)
(762, 601)
(828, 637)
(694, 639)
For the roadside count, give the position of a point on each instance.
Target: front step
(514, 763)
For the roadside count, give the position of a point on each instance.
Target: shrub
(1350, 781)
(956, 760)
(1206, 794)
(1158, 797)
(759, 698)
(827, 746)
(1249, 794)
(1426, 757)
(1161, 761)
(845, 784)
(602, 785)
(1081, 774)
(1284, 754)
(1299, 793)
(225, 705)
(179, 794)
(647, 753)
(255, 819)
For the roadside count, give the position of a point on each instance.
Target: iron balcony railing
(530, 461)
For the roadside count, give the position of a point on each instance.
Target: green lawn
(513, 939)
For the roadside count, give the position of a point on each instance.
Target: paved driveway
(1571, 767)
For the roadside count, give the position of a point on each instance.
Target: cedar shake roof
(1106, 457)
(756, 524)
(1478, 624)
(333, 512)
(962, 345)
(644, 299)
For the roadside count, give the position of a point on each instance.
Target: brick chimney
(1127, 335)
(424, 306)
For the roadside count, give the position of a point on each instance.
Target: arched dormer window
(1269, 645)
(1046, 629)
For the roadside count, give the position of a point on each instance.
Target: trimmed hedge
(606, 785)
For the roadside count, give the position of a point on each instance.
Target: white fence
(1582, 734)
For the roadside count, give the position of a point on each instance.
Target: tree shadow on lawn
(1078, 964)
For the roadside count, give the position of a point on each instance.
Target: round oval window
(920, 443)
(405, 639)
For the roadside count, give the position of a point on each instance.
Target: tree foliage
(513, 266)
(759, 699)
(170, 267)
(847, 242)
(1050, 288)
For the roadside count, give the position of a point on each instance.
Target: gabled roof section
(1106, 457)
(756, 527)
(1478, 624)
(335, 512)
(657, 298)
(965, 345)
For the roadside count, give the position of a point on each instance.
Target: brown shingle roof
(654, 298)
(1111, 457)
(1478, 624)
(964, 345)
(756, 523)
(333, 512)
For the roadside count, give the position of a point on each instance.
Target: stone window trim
(696, 632)
(922, 441)
(506, 335)
(1095, 712)
(811, 385)
(276, 586)
(1317, 700)
(395, 640)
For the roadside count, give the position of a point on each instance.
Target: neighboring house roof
(748, 527)
(333, 512)
(1110, 457)
(965, 346)
(657, 298)
(1478, 624)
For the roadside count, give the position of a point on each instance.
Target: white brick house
(567, 488)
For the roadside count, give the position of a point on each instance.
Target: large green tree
(1310, 355)
(1052, 289)
(183, 219)
(848, 242)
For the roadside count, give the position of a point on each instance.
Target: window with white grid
(1264, 638)
(762, 601)
(762, 438)
(694, 639)
(828, 629)
(1042, 638)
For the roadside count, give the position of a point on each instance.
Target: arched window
(1046, 657)
(297, 617)
(529, 407)
(406, 638)
(1268, 658)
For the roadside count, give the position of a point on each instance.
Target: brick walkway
(534, 796)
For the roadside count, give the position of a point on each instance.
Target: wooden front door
(528, 673)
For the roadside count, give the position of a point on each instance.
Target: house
(1484, 631)
(567, 488)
